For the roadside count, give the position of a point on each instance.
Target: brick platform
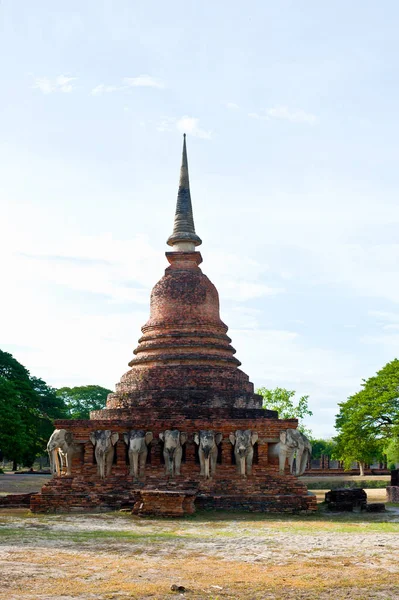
(264, 490)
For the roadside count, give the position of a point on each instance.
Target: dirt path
(215, 556)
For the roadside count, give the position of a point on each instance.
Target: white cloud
(105, 89)
(284, 113)
(257, 116)
(232, 106)
(384, 315)
(59, 84)
(191, 126)
(128, 82)
(184, 124)
(64, 83)
(167, 124)
(295, 116)
(143, 81)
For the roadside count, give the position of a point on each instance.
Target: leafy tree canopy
(13, 430)
(81, 400)
(27, 407)
(284, 403)
(323, 448)
(368, 421)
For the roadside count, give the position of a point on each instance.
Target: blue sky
(290, 110)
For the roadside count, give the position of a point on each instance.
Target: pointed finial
(184, 238)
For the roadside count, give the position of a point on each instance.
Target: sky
(290, 110)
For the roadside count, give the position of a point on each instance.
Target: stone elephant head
(137, 442)
(207, 442)
(292, 444)
(61, 447)
(104, 442)
(173, 440)
(243, 442)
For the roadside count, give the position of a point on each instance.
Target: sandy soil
(212, 555)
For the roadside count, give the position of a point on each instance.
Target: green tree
(392, 452)
(27, 407)
(323, 448)
(283, 401)
(369, 420)
(13, 430)
(81, 400)
(48, 408)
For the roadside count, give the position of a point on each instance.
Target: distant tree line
(28, 407)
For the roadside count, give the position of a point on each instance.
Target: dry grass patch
(215, 556)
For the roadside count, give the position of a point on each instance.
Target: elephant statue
(137, 442)
(207, 442)
(243, 442)
(61, 447)
(104, 441)
(172, 450)
(292, 444)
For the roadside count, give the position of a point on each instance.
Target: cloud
(59, 84)
(167, 124)
(106, 89)
(191, 125)
(295, 116)
(143, 81)
(284, 113)
(184, 124)
(232, 106)
(384, 315)
(128, 82)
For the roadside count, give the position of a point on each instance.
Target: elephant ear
(148, 437)
(69, 437)
(162, 436)
(93, 438)
(232, 438)
(218, 438)
(196, 438)
(254, 438)
(183, 438)
(114, 438)
(126, 438)
(283, 436)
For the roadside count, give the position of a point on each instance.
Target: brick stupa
(184, 376)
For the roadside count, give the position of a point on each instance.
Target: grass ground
(213, 555)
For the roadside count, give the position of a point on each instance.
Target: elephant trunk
(207, 474)
(100, 457)
(56, 461)
(242, 465)
(51, 460)
(136, 464)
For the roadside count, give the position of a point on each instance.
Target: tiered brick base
(264, 490)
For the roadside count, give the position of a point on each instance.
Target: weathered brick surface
(184, 356)
(184, 376)
(265, 489)
(16, 500)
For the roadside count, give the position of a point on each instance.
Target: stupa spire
(184, 238)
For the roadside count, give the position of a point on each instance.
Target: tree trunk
(361, 468)
(14, 465)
